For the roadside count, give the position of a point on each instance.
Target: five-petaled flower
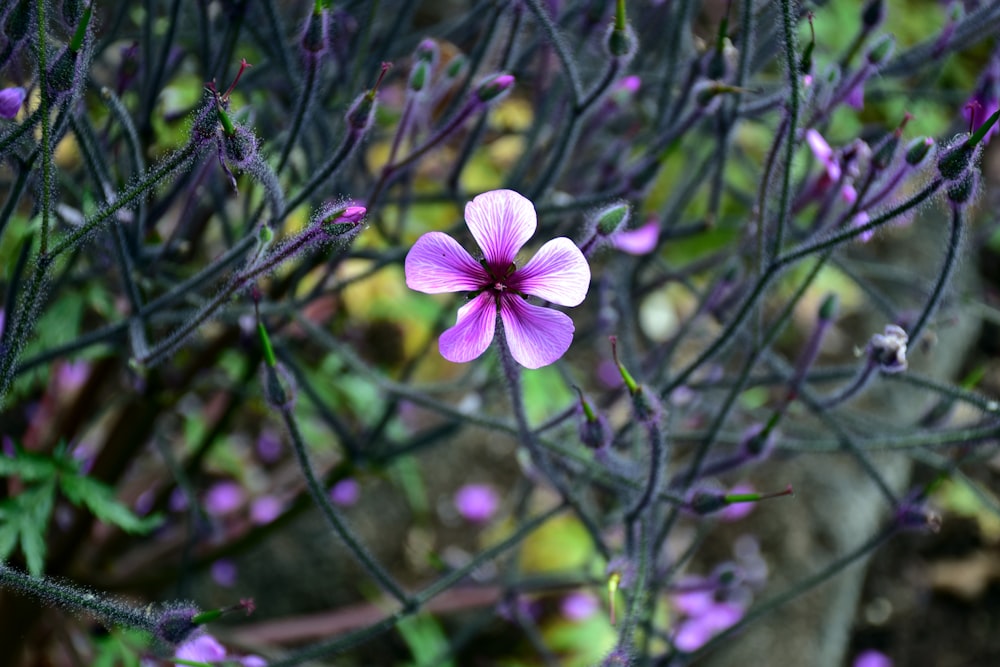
(502, 221)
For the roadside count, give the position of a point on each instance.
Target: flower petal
(537, 336)
(558, 273)
(473, 331)
(501, 221)
(639, 241)
(436, 264)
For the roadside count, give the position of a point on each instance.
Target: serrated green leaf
(32, 522)
(8, 538)
(30, 467)
(100, 499)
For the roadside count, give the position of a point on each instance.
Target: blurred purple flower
(11, 100)
(178, 501)
(822, 151)
(269, 446)
(872, 658)
(477, 502)
(70, 375)
(695, 631)
(502, 221)
(860, 220)
(224, 572)
(641, 241)
(265, 509)
(224, 498)
(579, 606)
(345, 492)
(203, 648)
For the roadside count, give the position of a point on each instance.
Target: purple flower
(265, 509)
(11, 100)
(476, 502)
(985, 100)
(872, 658)
(502, 221)
(345, 492)
(860, 220)
(639, 241)
(224, 572)
(694, 632)
(856, 96)
(737, 511)
(203, 648)
(579, 606)
(224, 498)
(823, 153)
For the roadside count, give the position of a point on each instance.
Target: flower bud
(621, 42)
(918, 149)
(873, 13)
(176, 625)
(963, 190)
(613, 218)
(882, 50)
(315, 34)
(595, 432)
(240, 147)
(361, 113)
(828, 309)
(340, 220)
(11, 100)
(956, 160)
(916, 516)
(279, 386)
(757, 441)
(493, 87)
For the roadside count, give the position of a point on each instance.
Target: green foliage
(24, 517)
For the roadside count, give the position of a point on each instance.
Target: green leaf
(100, 499)
(34, 507)
(29, 466)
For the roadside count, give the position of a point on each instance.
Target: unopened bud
(175, 625)
(873, 13)
(621, 43)
(340, 220)
(279, 386)
(240, 147)
(918, 149)
(613, 218)
(828, 309)
(956, 160)
(419, 75)
(595, 432)
(964, 189)
(494, 87)
(11, 100)
(910, 516)
(315, 35)
(882, 50)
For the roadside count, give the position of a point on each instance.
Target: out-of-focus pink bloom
(224, 572)
(346, 492)
(822, 151)
(70, 375)
(11, 100)
(477, 502)
(265, 509)
(848, 193)
(872, 658)
(641, 241)
(224, 498)
(502, 221)
(579, 606)
(609, 375)
(144, 503)
(203, 648)
(695, 631)
(253, 661)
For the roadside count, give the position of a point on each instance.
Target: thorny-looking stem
(377, 572)
(528, 438)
